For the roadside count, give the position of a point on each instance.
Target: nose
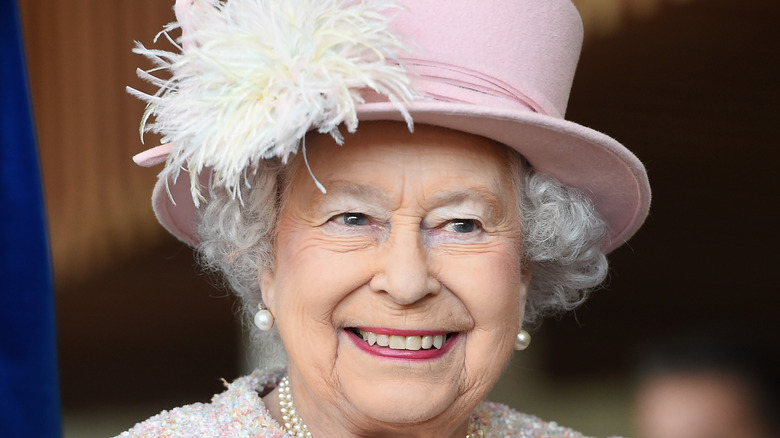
(404, 270)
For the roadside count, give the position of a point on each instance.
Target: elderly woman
(389, 277)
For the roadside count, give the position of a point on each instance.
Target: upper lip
(403, 332)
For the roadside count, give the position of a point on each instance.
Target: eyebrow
(480, 195)
(342, 189)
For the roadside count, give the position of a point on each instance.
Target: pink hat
(501, 69)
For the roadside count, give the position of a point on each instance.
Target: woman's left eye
(463, 226)
(353, 219)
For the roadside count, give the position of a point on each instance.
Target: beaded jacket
(239, 411)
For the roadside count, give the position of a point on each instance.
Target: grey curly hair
(561, 242)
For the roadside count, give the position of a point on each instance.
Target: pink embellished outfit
(240, 412)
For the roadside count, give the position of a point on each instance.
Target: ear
(267, 282)
(526, 272)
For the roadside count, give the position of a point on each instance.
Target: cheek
(314, 279)
(489, 284)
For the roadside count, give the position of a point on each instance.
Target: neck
(334, 423)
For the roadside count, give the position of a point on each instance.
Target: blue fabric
(29, 394)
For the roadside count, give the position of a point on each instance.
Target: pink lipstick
(402, 344)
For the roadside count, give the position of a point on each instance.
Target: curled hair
(562, 233)
(237, 242)
(561, 237)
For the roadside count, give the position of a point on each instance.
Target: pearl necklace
(294, 424)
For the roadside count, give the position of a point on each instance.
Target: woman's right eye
(352, 219)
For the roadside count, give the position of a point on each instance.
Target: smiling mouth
(403, 342)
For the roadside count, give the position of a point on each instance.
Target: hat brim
(580, 157)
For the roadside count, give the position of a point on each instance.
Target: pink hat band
(452, 83)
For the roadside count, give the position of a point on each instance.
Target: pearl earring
(264, 320)
(523, 340)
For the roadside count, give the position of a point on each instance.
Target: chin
(400, 390)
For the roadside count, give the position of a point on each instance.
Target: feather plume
(253, 76)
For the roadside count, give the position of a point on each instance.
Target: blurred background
(690, 86)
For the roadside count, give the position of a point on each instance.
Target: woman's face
(416, 242)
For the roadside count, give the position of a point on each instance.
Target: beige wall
(79, 64)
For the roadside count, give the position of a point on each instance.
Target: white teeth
(397, 342)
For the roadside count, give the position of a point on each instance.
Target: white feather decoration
(254, 76)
